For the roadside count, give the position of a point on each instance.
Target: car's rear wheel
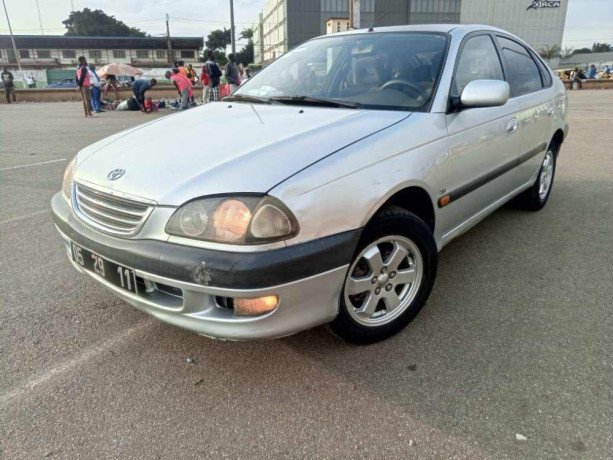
(536, 196)
(389, 279)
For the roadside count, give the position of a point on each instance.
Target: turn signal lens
(256, 306)
(68, 175)
(231, 220)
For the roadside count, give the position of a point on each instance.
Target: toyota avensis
(323, 188)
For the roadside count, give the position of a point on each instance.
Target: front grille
(108, 212)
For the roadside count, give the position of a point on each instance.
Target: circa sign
(544, 4)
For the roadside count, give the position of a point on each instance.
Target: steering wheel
(412, 86)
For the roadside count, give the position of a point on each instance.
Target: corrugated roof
(64, 42)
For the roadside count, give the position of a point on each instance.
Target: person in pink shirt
(83, 86)
(184, 87)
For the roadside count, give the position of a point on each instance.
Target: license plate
(117, 275)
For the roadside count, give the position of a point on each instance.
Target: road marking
(32, 214)
(69, 365)
(33, 164)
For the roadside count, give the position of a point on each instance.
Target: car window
(545, 73)
(523, 74)
(478, 61)
(377, 71)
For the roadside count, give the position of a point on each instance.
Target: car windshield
(387, 71)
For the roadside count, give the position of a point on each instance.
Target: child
(149, 106)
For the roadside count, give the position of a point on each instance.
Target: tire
(380, 299)
(535, 198)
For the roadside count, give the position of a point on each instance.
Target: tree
(246, 34)
(583, 51)
(97, 23)
(567, 54)
(245, 56)
(601, 48)
(550, 52)
(219, 39)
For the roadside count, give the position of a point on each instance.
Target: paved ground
(516, 338)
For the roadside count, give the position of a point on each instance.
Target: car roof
(460, 29)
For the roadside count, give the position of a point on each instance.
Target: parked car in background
(327, 185)
(65, 83)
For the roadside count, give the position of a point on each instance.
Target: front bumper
(181, 285)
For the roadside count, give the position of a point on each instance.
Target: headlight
(68, 175)
(234, 219)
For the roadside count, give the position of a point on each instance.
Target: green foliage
(550, 52)
(246, 34)
(583, 51)
(245, 56)
(97, 23)
(601, 47)
(219, 39)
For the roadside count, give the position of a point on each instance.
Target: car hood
(226, 147)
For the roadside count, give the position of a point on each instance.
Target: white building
(284, 24)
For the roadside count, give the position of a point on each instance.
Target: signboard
(536, 4)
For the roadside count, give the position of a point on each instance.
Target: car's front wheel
(390, 278)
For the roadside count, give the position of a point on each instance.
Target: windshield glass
(372, 70)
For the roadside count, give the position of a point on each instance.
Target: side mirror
(485, 93)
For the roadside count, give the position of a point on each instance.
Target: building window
(24, 54)
(95, 54)
(119, 54)
(69, 54)
(43, 54)
(160, 54)
(142, 54)
(187, 54)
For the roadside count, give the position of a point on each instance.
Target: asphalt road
(515, 339)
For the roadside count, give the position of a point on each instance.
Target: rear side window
(545, 73)
(523, 74)
(478, 61)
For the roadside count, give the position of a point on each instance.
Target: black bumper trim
(209, 267)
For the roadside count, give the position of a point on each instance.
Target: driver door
(482, 141)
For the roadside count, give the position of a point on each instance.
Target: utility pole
(40, 18)
(12, 37)
(170, 59)
(354, 14)
(231, 27)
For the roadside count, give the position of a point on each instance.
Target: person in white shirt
(95, 88)
(30, 81)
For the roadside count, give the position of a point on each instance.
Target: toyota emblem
(115, 174)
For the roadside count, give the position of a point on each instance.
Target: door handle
(512, 125)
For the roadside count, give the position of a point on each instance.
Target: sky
(587, 21)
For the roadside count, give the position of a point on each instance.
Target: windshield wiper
(247, 98)
(316, 101)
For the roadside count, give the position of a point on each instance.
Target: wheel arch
(412, 198)
(557, 140)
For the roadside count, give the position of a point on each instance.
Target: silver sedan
(322, 190)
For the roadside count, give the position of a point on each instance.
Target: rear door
(531, 91)
(482, 141)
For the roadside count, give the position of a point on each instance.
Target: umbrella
(117, 69)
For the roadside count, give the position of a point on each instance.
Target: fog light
(256, 306)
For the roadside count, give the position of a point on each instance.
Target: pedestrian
(111, 83)
(9, 85)
(96, 85)
(214, 75)
(139, 88)
(592, 72)
(232, 73)
(193, 78)
(242, 75)
(184, 87)
(575, 77)
(607, 71)
(205, 79)
(182, 69)
(30, 81)
(83, 85)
